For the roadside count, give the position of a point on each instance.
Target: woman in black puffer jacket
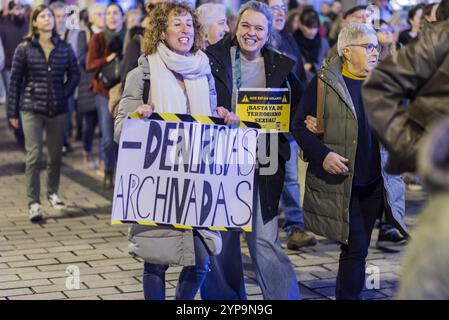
(44, 75)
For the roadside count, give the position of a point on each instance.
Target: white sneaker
(56, 202)
(35, 212)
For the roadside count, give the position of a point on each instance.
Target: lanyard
(238, 69)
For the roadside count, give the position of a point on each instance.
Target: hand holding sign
(228, 116)
(145, 110)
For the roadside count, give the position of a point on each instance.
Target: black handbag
(110, 73)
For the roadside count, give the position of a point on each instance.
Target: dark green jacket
(327, 196)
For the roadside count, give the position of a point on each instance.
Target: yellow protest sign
(270, 108)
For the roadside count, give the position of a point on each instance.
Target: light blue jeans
(290, 199)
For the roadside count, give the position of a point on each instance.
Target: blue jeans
(290, 199)
(366, 206)
(109, 148)
(190, 279)
(225, 280)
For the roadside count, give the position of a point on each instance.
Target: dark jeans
(366, 206)
(190, 279)
(225, 280)
(90, 120)
(71, 108)
(109, 149)
(290, 199)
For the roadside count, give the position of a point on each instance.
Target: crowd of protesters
(61, 83)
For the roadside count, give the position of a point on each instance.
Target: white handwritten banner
(185, 174)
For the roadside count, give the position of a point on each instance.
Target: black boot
(108, 181)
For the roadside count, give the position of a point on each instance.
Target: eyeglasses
(369, 47)
(279, 8)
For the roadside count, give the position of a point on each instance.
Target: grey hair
(208, 12)
(58, 5)
(94, 7)
(258, 7)
(351, 33)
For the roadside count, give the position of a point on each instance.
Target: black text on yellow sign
(270, 108)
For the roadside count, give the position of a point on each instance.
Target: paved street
(34, 257)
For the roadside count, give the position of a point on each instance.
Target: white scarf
(165, 92)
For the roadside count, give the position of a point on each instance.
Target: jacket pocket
(161, 245)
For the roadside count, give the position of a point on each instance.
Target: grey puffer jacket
(425, 273)
(160, 245)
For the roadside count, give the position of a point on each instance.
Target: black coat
(39, 86)
(12, 31)
(419, 73)
(278, 70)
(132, 52)
(289, 47)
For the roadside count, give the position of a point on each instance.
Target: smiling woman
(213, 17)
(246, 60)
(346, 182)
(169, 25)
(179, 80)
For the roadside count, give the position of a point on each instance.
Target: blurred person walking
(76, 37)
(13, 27)
(86, 98)
(389, 236)
(313, 47)
(414, 20)
(290, 205)
(105, 51)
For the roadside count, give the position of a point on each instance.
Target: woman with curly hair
(180, 81)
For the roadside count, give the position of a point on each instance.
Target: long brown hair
(32, 31)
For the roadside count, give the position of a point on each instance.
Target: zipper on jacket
(49, 105)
